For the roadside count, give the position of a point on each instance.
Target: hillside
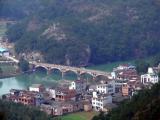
(13, 111)
(81, 32)
(143, 106)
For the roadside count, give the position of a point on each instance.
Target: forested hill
(78, 32)
(144, 106)
(16, 111)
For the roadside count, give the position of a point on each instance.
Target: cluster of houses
(79, 95)
(130, 82)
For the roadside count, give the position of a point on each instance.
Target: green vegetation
(143, 106)
(7, 68)
(143, 64)
(109, 66)
(13, 111)
(2, 29)
(73, 117)
(24, 65)
(107, 31)
(79, 116)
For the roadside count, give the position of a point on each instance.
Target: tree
(24, 65)
(142, 66)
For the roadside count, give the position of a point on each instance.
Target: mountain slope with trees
(80, 32)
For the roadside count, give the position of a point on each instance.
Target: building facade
(106, 88)
(150, 77)
(78, 85)
(99, 101)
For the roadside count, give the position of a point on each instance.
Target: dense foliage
(23, 65)
(95, 31)
(13, 111)
(144, 106)
(143, 64)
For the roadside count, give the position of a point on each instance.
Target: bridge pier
(63, 74)
(49, 71)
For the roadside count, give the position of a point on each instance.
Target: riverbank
(109, 66)
(9, 75)
(14, 74)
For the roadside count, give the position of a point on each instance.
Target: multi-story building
(64, 94)
(125, 89)
(99, 101)
(59, 108)
(131, 87)
(25, 97)
(107, 87)
(37, 88)
(52, 109)
(26, 100)
(150, 77)
(78, 85)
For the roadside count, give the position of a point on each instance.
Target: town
(81, 95)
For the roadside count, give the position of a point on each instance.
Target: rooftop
(3, 49)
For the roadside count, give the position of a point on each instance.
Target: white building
(99, 101)
(113, 75)
(78, 85)
(37, 88)
(125, 67)
(52, 92)
(4, 52)
(106, 88)
(150, 77)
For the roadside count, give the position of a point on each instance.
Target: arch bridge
(63, 69)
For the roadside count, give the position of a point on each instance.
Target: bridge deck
(71, 68)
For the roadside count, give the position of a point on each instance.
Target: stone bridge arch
(55, 69)
(101, 77)
(86, 76)
(55, 72)
(41, 67)
(70, 74)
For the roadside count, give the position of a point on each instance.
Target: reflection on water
(1, 83)
(25, 80)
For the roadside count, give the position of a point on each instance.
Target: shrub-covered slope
(13, 111)
(85, 31)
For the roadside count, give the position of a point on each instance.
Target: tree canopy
(13, 111)
(95, 31)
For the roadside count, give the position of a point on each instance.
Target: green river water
(25, 80)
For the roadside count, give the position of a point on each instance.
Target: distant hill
(84, 31)
(144, 106)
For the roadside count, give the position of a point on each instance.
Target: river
(25, 80)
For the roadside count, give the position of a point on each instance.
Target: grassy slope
(79, 116)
